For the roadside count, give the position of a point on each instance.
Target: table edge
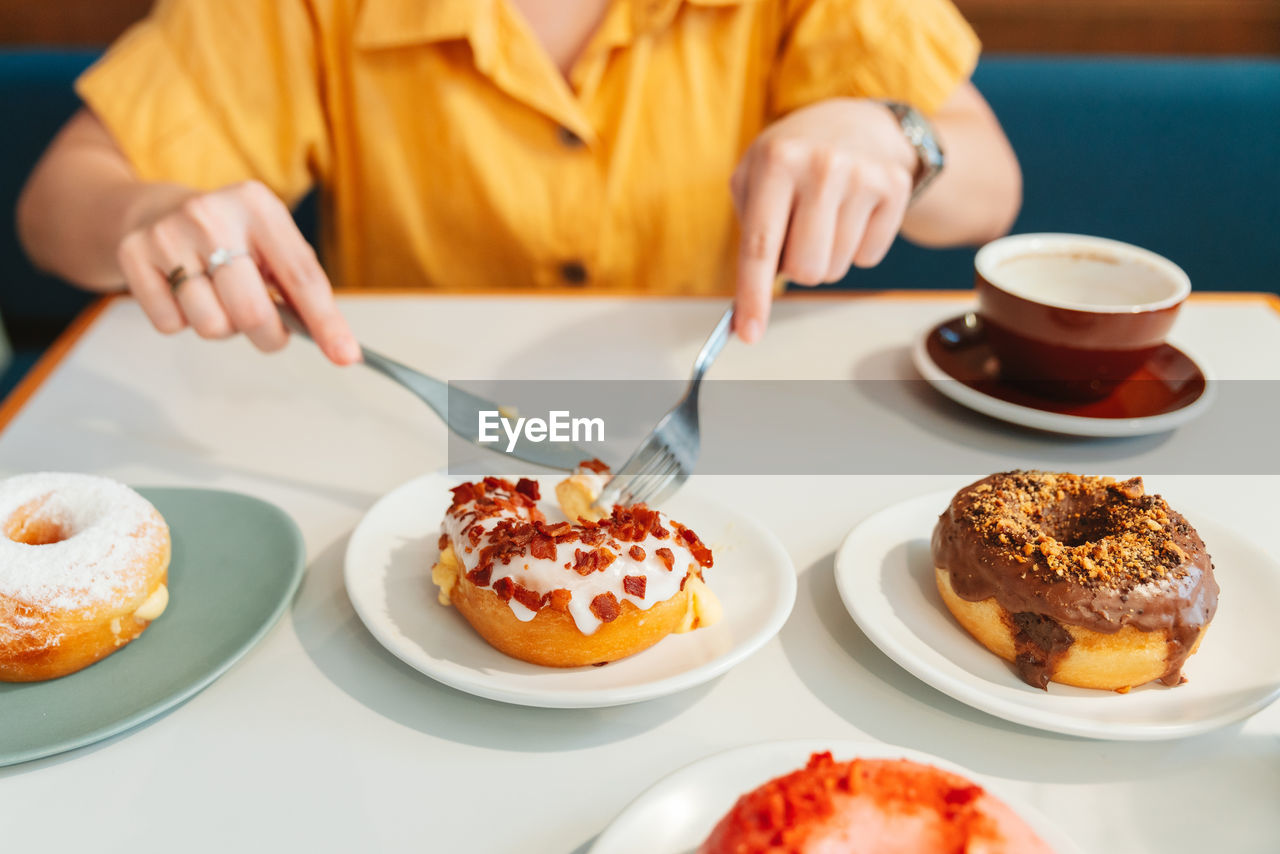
(13, 404)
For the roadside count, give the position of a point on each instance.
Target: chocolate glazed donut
(1064, 555)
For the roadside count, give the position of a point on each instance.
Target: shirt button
(573, 273)
(568, 138)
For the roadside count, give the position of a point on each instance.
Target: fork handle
(436, 396)
(710, 349)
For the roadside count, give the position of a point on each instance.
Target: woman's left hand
(820, 190)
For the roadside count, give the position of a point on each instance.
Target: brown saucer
(1169, 381)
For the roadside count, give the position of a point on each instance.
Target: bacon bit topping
(542, 547)
(504, 587)
(636, 553)
(700, 552)
(632, 524)
(528, 488)
(635, 585)
(443, 542)
(667, 557)
(528, 598)
(463, 493)
(480, 575)
(474, 533)
(592, 536)
(494, 495)
(594, 465)
(595, 560)
(605, 607)
(559, 599)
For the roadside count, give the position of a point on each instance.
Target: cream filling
(445, 575)
(155, 604)
(578, 492)
(703, 609)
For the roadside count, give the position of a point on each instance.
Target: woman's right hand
(267, 252)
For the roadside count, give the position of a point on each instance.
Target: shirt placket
(569, 254)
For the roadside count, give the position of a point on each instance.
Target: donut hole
(1079, 526)
(29, 526)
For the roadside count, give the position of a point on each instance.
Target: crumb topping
(1094, 531)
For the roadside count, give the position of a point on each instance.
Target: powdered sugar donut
(84, 563)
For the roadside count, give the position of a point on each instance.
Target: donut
(568, 594)
(870, 806)
(1080, 580)
(84, 564)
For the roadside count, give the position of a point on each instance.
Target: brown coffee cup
(1072, 317)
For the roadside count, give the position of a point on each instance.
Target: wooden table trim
(49, 360)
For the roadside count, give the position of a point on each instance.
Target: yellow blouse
(452, 152)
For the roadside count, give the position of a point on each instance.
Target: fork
(666, 457)
(458, 409)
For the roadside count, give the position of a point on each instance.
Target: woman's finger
(149, 286)
(244, 296)
(203, 310)
(806, 258)
(292, 264)
(174, 246)
(851, 226)
(884, 223)
(767, 209)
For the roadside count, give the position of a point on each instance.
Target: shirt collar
(398, 23)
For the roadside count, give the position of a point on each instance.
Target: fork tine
(647, 458)
(657, 460)
(654, 483)
(637, 482)
(668, 489)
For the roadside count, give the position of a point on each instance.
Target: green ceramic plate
(236, 564)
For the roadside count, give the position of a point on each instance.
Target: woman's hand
(265, 248)
(820, 190)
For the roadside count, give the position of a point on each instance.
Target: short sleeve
(210, 92)
(916, 51)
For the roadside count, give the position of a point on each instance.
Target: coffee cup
(1070, 316)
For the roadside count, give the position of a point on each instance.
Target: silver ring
(220, 258)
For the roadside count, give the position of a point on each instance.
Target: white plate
(678, 813)
(388, 577)
(1058, 422)
(885, 575)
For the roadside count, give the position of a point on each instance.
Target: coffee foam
(1083, 279)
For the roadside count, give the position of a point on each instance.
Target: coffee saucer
(1169, 390)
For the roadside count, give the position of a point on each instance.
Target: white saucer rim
(874, 628)
(1057, 422)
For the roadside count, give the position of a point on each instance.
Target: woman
(512, 144)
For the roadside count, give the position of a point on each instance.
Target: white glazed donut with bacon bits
(564, 594)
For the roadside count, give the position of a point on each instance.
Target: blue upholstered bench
(1177, 155)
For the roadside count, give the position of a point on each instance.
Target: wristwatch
(919, 132)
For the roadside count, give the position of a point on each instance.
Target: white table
(319, 740)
